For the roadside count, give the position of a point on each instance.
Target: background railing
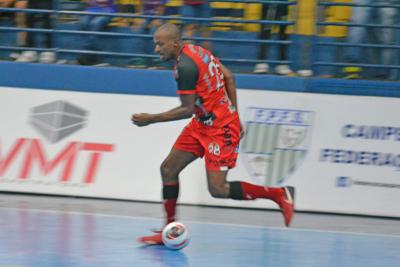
(370, 47)
(318, 37)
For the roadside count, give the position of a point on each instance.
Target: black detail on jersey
(188, 73)
(208, 119)
(202, 114)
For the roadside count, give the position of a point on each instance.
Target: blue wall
(159, 82)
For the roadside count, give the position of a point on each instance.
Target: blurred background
(318, 92)
(334, 38)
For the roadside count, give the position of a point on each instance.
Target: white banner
(341, 152)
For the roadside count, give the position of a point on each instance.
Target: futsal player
(207, 90)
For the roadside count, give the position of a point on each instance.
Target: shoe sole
(290, 193)
(290, 197)
(149, 242)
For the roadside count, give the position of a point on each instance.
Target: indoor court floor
(42, 231)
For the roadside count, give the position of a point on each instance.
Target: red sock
(251, 191)
(170, 196)
(170, 209)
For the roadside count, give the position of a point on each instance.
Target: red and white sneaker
(287, 204)
(152, 239)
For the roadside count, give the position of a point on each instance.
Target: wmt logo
(276, 142)
(73, 161)
(57, 120)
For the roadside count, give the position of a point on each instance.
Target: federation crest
(276, 143)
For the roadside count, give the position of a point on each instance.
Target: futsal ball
(175, 235)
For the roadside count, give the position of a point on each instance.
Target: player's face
(165, 46)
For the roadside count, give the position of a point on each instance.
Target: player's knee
(168, 171)
(217, 191)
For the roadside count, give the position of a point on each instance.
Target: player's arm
(230, 85)
(188, 75)
(184, 111)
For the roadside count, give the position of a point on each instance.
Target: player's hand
(142, 119)
(242, 131)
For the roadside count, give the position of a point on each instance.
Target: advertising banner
(341, 152)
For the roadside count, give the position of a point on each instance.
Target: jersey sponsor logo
(206, 59)
(276, 143)
(207, 119)
(222, 162)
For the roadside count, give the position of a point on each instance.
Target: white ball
(175, 235)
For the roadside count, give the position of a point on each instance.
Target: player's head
(167, 39)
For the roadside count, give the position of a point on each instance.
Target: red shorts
(220, 146)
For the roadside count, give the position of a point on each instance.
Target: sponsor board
(276, 143)
(341, 152)
(27, 160)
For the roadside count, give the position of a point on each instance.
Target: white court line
(205, 223)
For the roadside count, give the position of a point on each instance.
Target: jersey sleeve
(188, 74)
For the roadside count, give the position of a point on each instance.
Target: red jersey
(198, 72)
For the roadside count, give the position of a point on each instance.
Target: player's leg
(185, 150)
(239, 190)
(175, 162)
(221, 156)
(217, 184)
